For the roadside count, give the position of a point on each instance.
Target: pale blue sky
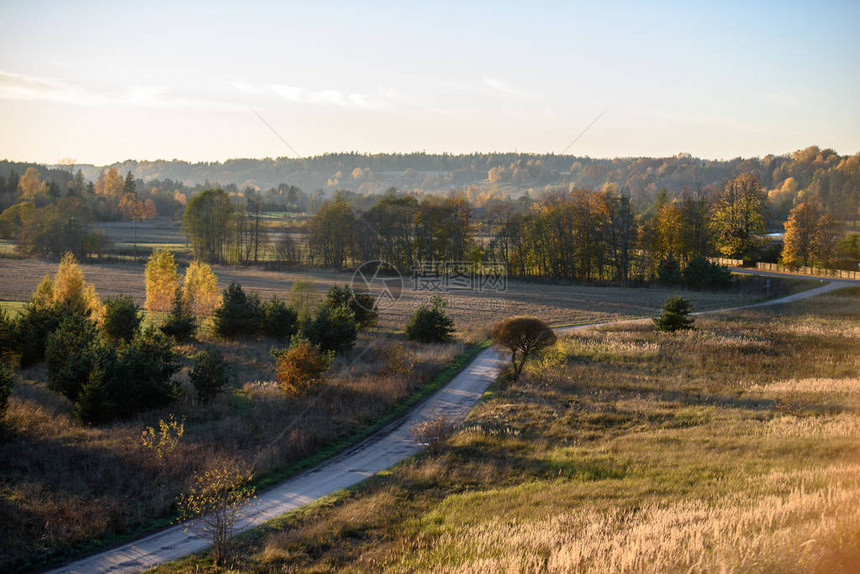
(105, 81)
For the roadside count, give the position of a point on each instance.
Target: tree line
(564, 235)
(813, 173)
(569, 235)
(560, 233)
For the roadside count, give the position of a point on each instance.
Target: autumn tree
(523, 336)
(111, 185)
(211, 505)
(738, 216)
(670, 232)
(69, 289)
(800, 229)
(31, 186)
(161, 281)
(130, 207)
(825, 240)
(200, 290)
(149, 209)
(302, 366)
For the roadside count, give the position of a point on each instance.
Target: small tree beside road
(211, 506)
(523, 336)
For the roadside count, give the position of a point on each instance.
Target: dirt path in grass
(386, 448)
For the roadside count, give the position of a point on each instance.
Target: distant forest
(553, 217)
(811, 174)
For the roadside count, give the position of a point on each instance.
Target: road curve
(454, 401)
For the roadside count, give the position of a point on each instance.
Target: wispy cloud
(489, 86)
(330, 97)
(38, 89)
(505, 89)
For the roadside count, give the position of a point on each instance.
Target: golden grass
(762, 529)
(823, 386)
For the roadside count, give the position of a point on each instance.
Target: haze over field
(104, 82)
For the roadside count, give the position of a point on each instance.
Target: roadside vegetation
(107, 422)
(731, 447)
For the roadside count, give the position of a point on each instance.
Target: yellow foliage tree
(31, 185)
(825, 240)
(130, 207)
(799, 230)
(161, 281)
(737, 216)
(69, 288)
(211, 505)
(200, 290)
(113, 183)
(43, 296)
(670, 227)
(161, 442)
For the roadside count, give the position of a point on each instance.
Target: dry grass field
(66, 485)
(474, 313)
(731, 448)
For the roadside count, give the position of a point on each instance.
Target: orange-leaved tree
(301, 366)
